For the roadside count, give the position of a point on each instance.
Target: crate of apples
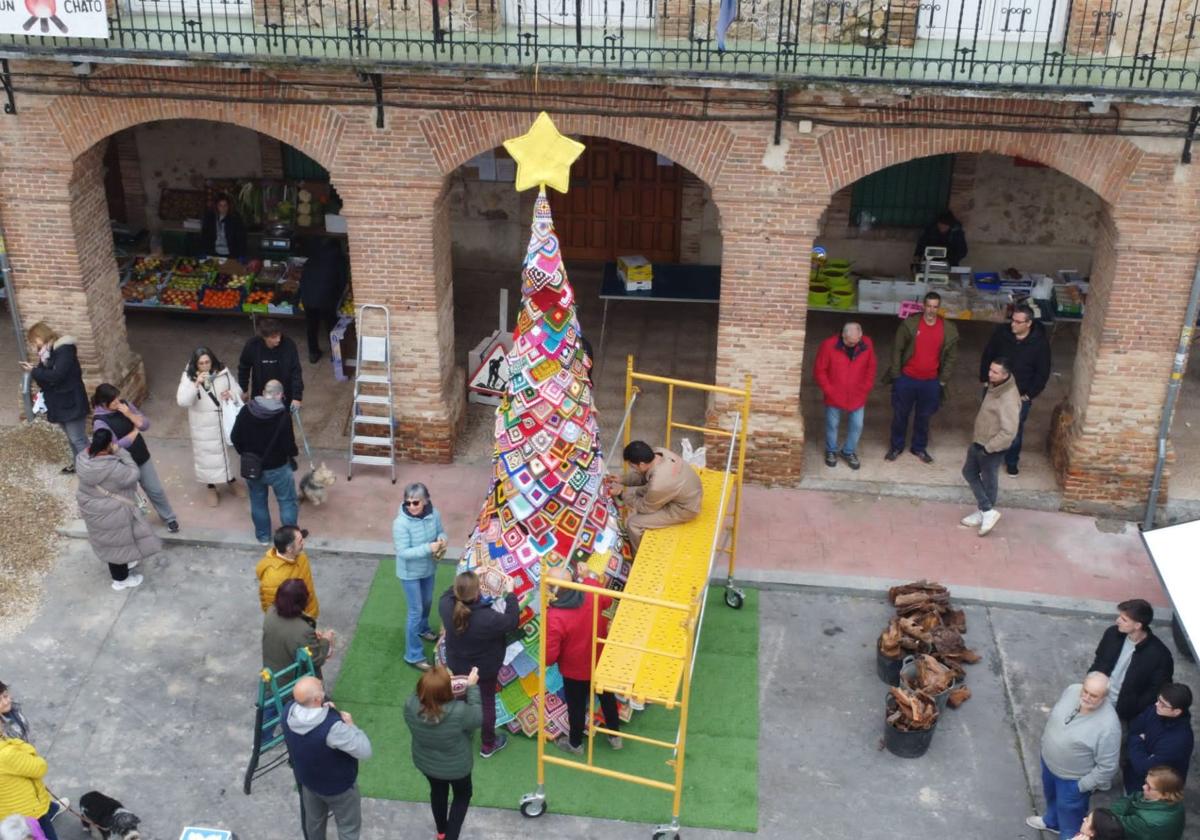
(179, 298)
(223, 299)
(258, 300)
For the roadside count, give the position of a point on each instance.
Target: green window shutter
(298, 166)
(908, 194)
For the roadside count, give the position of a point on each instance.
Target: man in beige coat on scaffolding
(661, 490)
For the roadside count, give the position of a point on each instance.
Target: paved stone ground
(148, 695)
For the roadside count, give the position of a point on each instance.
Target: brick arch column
(1103, 436)
(60, 245)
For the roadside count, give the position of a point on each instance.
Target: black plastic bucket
(905, 744)
(887, 668)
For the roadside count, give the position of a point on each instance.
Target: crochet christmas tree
(546, 503)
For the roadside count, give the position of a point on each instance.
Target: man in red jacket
(845, 373)
(568, 629)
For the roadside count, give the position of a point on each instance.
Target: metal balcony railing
(1147, 46)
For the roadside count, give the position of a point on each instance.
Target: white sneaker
(128, 583)
(132, 564)
(63, 804)
(988, 522)
(1037, 822)
(972, 520)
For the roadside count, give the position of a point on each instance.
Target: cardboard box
(635, 269)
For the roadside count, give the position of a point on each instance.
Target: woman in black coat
(60, 378)
(222, 233)
(476, 628)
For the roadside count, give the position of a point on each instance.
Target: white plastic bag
(695, 457)
(229, 413)
(39, 404)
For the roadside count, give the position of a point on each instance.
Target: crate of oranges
(221, 300)
(258, 300)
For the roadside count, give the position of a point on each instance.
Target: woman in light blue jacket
(420, 542)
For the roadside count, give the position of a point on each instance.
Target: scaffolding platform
(646, 648)
(650, 647)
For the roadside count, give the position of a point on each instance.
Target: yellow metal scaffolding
(650, 648)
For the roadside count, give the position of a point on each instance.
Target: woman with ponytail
(476, 628)
(117, 530)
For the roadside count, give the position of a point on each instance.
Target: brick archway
(1102, 164)
(457, 136)
(82, 122)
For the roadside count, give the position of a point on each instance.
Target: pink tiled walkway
(782, 530)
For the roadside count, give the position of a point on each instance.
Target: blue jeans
(854, 426)
(1066, 804)
(44, 821)
(925, 395)
(1013, 455)
(419, 596)
(282, 481)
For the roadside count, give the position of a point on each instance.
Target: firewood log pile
(927, 627)
(910, 711)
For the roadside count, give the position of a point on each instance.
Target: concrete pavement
(148, 695)
(790, 536)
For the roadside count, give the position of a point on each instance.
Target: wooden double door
(624, 200)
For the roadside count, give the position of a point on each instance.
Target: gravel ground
(35, 499)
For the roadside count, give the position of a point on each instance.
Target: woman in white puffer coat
(206, 390)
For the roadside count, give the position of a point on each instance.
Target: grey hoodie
(342, 736)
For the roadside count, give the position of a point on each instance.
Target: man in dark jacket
(946, 232)
(1027, 348)
(321, 285)
(1137, 662)
(845, 373)
(271, 355)
(325, 747)
(222, 233)
(264, 428)
(1161, 734)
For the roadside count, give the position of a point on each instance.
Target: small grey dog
(107, 819)
(315, 484)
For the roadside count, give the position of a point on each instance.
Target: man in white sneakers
(996, 426)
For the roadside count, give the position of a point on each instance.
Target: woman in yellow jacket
(21, 788)
(283, 561)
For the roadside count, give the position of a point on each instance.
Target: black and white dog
(108, 819)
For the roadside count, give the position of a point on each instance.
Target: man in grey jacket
(325, 747)
(1080, 748)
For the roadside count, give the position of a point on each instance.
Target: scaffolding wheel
(533, 805)
(734, 597)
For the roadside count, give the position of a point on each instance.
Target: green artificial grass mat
(720, 787)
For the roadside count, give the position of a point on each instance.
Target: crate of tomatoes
(258, 301)
(221, 300)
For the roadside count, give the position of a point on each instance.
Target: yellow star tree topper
(543, 156)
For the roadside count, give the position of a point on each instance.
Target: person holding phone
(126, 423)
(442, 734)
(60, 379)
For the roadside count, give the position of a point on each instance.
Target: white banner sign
(59, 18)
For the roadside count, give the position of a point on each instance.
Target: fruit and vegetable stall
(216, 286)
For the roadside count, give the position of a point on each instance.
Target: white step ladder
(373, 390)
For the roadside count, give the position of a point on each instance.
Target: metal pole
(1177, 368)
(11, 297)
